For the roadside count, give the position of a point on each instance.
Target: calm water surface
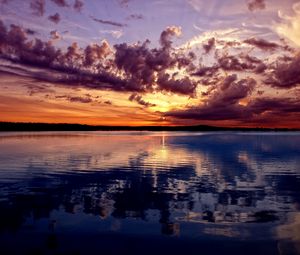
(149, 193)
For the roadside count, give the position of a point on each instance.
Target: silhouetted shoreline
(22, 126)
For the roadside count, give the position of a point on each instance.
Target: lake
(150, 193)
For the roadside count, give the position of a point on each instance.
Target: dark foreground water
(149, 193)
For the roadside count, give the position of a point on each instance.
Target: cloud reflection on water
(225, 185)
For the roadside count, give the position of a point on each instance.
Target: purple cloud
(256, 5)
(60, 3)
(54, 18)
(109, 22)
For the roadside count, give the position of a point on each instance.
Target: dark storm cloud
(228, 81)
(222, 104)
(184, 86)
(223, 61)
(260, 68)
(240, 62)
(78, 5)
(141, 65)
(219, 112)
(16, 36)
(262, 44)
(231, 90)
(97, 66)
(61, 3)
(3, 32)
(138, 98)
(206, 71)
(54, 18)
(15, 46)
(226, 62)
(276, 105)
(109, 22)
(233, 63)
(250, 59)
(95, 52)
(256, 5)
(256, 64)
(256, 111)
(38, 7)
(259, 111)
(286, 74)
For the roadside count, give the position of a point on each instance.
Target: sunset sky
(159, 62)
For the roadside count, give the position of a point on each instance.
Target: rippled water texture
(149, 193)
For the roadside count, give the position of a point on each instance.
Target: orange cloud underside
(21, 101)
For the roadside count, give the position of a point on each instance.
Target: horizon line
(43, 126)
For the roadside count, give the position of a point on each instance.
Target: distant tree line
(22, 126)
